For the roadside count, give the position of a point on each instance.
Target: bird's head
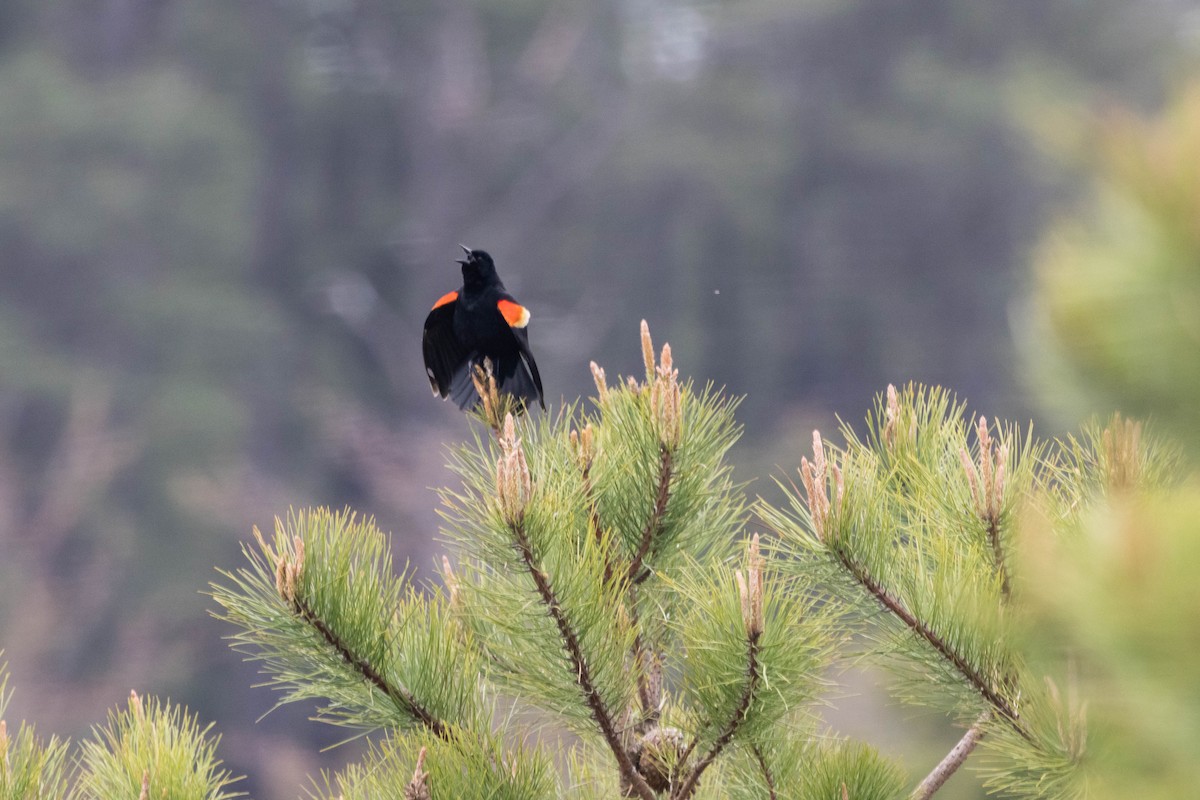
(478, 269)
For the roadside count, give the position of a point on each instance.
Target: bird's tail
(512, 378)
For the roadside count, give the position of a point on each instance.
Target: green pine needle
(462, 768)
(30, 768)
(790, 655)
(352, 633)
(152, 749)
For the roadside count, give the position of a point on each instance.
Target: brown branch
(580, 666)
(766, 771)
(943, 648)
(649, 710)
(398, 695)
(953, 760)
(647, 694)
(688, 787)
(654, 524)
(640, 657)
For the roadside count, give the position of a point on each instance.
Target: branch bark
(768, 779)
(943, 648)
(595, 702)
(640, 653)
(688, 787)
(397, 694)
(655, 523)
(953, 760)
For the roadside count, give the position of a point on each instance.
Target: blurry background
(222, 224)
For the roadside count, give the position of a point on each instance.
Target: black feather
(465, 331)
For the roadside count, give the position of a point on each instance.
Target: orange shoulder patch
(448, 297)
(515, 314)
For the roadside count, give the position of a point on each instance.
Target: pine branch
(648, 695)
(998, 557)
(688, 787)
(893, 605)
(768, 779)
(600, 712)
(398, 695)
(322, 606)
(582, 445)
(953, 760)
(655, 523)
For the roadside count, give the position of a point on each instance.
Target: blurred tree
(1113, 324)
(840, 191)
(1116, 595)
(1117, 282)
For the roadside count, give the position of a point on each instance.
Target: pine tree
(604, 585)
(609, 624)
(607, 584)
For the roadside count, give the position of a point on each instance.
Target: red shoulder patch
(515, 314)
(448, 297)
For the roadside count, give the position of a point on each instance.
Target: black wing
(519, 377)
(444, 354)
(529, 366)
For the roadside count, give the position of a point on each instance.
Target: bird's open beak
(466, 250)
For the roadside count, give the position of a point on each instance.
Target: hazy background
(222, 224)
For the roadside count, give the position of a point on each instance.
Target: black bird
(479, 321)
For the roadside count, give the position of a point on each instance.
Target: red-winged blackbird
(480, 321)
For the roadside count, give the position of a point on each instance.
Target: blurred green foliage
(1114, 593)
(1117, 305)
(1118, 281)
